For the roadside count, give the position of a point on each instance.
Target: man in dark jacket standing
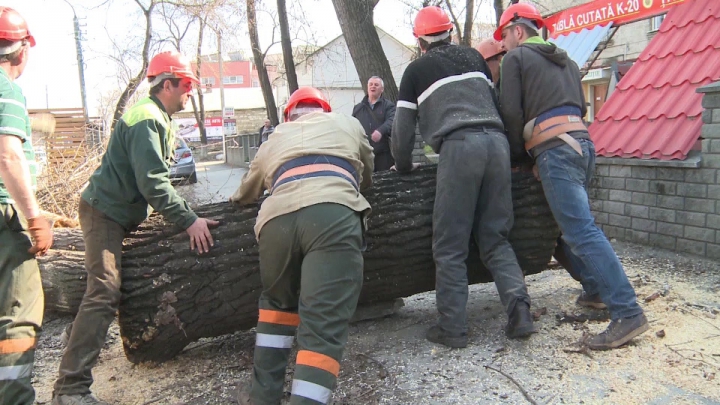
(376, 114)
(542, 105)
(265, 132)
(448, 91)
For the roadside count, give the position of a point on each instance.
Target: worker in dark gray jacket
(542, 105)
(376, 114)
(448, 91)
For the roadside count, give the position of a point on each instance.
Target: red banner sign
(603, 12)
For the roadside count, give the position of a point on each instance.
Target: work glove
(41, 235)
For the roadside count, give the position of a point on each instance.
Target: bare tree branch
(467, 35)
(135, 81)
(287, 47)
(455, 21)
(259, 57)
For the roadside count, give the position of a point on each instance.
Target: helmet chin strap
(435, 38)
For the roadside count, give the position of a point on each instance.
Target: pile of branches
(60, 184)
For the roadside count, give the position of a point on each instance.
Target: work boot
(590, 301)
(65, 335)
(520, 323)
(436, 334)
(86, 399)
(619, 332)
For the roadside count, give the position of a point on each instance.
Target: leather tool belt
(555, 127)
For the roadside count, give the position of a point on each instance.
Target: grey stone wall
(673, 205)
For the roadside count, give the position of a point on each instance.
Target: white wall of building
(332, 70)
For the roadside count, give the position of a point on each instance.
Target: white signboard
(187, 128)
(229, 112)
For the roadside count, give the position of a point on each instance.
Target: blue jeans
(565, 176)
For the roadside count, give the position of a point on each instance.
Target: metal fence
(241, 149)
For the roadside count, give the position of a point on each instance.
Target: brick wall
(674, 205)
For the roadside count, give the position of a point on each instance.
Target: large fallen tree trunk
(63, 272)
(172, 296)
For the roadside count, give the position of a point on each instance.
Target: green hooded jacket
(134, 174)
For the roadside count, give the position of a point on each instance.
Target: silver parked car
(183, 163)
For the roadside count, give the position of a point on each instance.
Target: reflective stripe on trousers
(311, 391)
(15, 372)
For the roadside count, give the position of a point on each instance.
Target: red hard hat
(13, 26)
(431, 20)
(172, 62)
(515, 11)
(306, 94)
(489, 47)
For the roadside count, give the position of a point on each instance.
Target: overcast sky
(51, 77)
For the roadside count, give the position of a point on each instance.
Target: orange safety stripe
(318, 360)
(17, 345)
(313, 168)
(279, 317)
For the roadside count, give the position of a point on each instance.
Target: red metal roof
(654, 111)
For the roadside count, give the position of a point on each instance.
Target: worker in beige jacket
(310, 232)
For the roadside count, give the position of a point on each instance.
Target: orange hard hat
(489, 47)
(174, 63)
(431, 20)
(515, 11)
(13, 26)
(306, 94)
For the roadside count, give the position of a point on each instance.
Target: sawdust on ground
(388, 361)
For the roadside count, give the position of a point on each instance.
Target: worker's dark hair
(155, 90)
(12, 57)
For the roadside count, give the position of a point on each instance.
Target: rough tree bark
(258, 56)
(358, 28)
(63, 272)
(172, 297)
(135, 81)
(287, 47)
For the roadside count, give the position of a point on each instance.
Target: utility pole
(222, 91)
(80, 60)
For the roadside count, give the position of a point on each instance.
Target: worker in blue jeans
(542, 105)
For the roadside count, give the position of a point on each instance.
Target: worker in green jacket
(133, 176)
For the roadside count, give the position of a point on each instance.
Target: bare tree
(287, 47)
(259, 58)
(133, 84)
(358, 28)
(467, 28)
(178, 24)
